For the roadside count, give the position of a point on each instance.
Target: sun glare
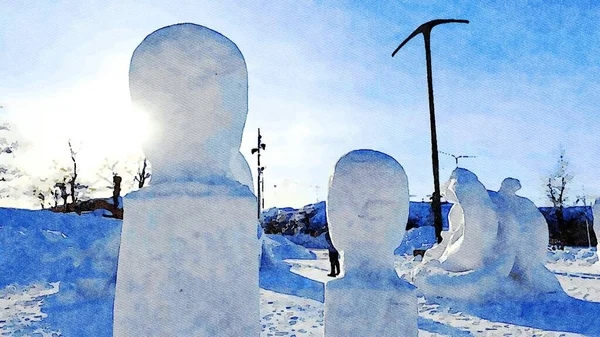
(96, 116)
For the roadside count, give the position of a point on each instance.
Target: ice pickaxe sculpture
(436, 204)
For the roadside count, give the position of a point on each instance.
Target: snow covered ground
(578, 271)
(23, 314)
(21, 310)
(286, 315)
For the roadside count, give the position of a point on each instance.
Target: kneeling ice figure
(367, 211)
(188, 261)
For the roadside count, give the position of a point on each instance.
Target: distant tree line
(65, 193)
(565, 222)
(308, 220)
(8, 172)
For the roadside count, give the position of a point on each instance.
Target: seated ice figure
(465, 264)
(367, 211)
(473, 225)
(188, 261)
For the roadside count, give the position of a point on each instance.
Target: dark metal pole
(436, 204)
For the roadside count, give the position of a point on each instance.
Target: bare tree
(556, 192)
(142, 174)
(7, 172)
(42, 197)
(107, 173)
(73, 175)
(55, 192)
(42, 193)
(73, 184)
(114, 183)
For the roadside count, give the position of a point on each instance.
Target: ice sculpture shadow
(432, 326)
(555, 312)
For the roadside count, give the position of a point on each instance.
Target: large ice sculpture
(188, 262)
(513, 252)
(367, 209)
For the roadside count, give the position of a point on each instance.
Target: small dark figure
(334, 257)
(419, 252)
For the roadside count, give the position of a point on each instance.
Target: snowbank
(77, 252)
(283, 249)
(417, 238)
(275, 274)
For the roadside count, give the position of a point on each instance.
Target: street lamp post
(259, 177)
(436, 204)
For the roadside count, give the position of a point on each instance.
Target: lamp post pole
(259, 177)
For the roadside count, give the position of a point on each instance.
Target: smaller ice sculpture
(367, 209)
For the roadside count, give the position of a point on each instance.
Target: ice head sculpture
(367, 211)
(193, 84)
(510, 186)
(367, 208)
(189, 255)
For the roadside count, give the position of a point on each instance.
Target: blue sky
(513, 87)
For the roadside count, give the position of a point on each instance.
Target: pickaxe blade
(426, 29)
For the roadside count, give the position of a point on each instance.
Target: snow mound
(573, 256)
(276, 275)
(43, 248)
(421, 238)
(283, 249)
(22, 310)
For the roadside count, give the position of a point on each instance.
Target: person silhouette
(334, 257)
